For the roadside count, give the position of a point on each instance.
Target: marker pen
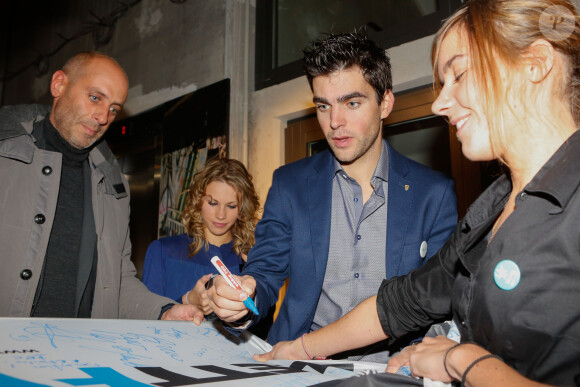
(231, 280)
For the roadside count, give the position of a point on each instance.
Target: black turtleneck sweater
(56, 296)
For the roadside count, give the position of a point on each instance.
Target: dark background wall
(168, 49)
(161, 44)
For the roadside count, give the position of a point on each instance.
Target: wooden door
(303, 135)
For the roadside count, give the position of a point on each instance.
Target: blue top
(169, 272)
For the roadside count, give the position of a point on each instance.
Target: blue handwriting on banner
(135, 347)
(55, 335)
(42, 361)
(129, 346)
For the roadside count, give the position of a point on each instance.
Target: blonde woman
(508, 79)
(220, 213)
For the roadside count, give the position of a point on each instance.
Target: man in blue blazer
(337, 223)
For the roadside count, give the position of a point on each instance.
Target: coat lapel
(398, 211)
(320, 206)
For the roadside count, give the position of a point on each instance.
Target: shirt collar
(381, 170)
(560, 176)
(558, 180)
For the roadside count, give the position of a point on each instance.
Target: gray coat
(29, 185)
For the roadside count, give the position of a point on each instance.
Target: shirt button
(356, 200)
(523, 195)
(356, 275)
(46, 170)
(25, 274)
(39, 219)
(463, 323)
(358, 237)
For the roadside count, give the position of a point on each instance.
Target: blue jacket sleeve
(268, 260)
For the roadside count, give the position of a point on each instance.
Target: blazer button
(46, 170)
(25, 274)
(39, 219)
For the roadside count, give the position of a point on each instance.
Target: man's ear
(540, 60)
(58, 83)
(387, 104)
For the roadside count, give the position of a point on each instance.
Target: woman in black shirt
(508, 74)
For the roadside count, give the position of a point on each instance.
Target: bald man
(64, 205)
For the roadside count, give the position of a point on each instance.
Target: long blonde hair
(499, 32)
(234, 173)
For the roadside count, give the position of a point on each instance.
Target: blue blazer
(293, 236)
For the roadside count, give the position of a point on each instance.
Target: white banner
(135, 353)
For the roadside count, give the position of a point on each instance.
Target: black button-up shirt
(534, 327)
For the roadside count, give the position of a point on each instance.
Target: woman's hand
(426, 360)
(198, 296)
(287, 350)
(401, 359)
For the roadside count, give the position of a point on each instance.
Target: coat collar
(17, 120)
(16, 141)
(399, 211)
(320, 206)
(104, 160)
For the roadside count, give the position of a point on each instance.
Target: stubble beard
(64, 123)
(361, 149)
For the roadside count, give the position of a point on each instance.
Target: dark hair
(341, 51)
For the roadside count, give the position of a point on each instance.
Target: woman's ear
(541, 60)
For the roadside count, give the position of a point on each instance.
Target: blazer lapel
(320, 206)
(398, 211)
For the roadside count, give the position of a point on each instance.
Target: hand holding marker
(223, 270)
